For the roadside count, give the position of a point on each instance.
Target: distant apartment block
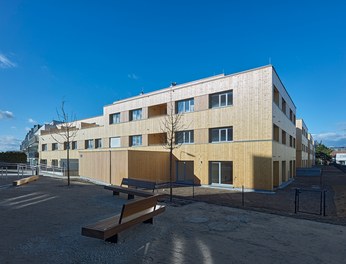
(305, 150)
(237, 130)
(30, 143)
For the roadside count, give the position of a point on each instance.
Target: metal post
(296, 201)
(324, 202)
(193, 188)
(242, 195)
(321, 198)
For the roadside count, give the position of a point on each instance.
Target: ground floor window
(221, 172)
(55, 162)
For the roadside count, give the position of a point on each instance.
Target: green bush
(13, 157)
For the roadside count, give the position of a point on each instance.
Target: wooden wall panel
(149, 165)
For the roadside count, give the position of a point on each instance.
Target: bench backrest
(138, 206)
(138, 183)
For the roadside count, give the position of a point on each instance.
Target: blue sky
(91, 53)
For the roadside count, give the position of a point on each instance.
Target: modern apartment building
(31, 142)
(235, 130)
(305, 149)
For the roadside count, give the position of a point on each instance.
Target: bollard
(242, 195)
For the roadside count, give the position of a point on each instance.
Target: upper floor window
(98, 143)
(184, 106)
(221, 99)
(276, 132)
(223, 134)
(186, 137)
(276, 96)
(136, 114)
(74, 145)
(114, 142)
(136, 140)
(44, 147)
(114, 118)
(54, 146)
(283, 107)
(89, 144)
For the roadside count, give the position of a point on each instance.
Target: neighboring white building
(340, 158)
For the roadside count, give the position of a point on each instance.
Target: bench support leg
(149, 221)
(113, 239)
(130, 197)
(115, 193)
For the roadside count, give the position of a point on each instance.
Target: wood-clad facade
(239, 130)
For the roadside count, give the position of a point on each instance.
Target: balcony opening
(157, 139)
(157, 110)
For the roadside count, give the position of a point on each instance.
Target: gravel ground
(282, 201)
(41, 223)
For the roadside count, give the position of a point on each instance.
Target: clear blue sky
(94, 52)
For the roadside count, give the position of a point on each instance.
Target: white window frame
(187, 137)
(57, 146)
(136, 140)
(220, 130)
(136, 114)
(74, 145)
(188, 105)
(114, 118)
(89, 144)
(98, 143)
(219, 96)
(114, 142)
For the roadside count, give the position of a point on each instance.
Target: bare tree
(65, 133)
(170, 126)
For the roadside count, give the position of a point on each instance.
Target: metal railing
(52, 169)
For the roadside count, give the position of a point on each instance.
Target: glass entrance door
(221, 172)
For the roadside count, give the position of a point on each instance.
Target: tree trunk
(170, 174)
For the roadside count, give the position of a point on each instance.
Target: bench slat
(132, 213)
(138, 183)
(138, 206)
(128, 191)
(121, 227)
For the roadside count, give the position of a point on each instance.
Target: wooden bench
(25, 180)
(135, 187)
(141, 211)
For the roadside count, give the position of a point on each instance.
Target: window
(184, 106)
(54, 146)
(44, 147)
(276, 96)
(114, 118)
(221, 99)
(55, 162)
(135, 141)
(283, 137)
(136, 114)
(89, 144)
(221, 172)
(184, 137)
(65, 145)
(114, 142)
(276, 133)
(291, 115)
(224, 134)
(74, 144)
(291, 141)
(283, 108)
(98, 143)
